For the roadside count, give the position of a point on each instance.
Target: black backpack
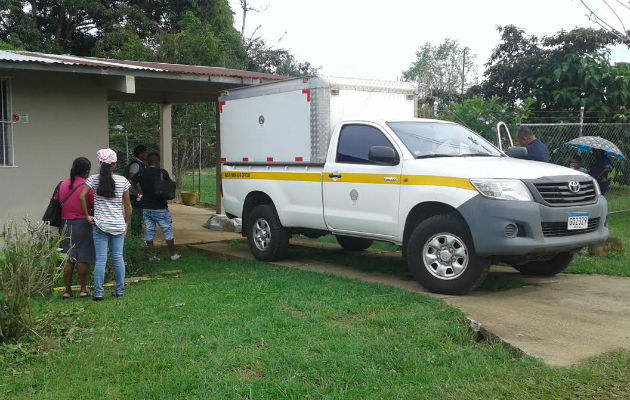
(164, 188)
(52, 215)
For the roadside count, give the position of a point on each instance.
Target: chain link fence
(555, 136)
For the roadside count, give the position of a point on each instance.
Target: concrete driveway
(561, 320)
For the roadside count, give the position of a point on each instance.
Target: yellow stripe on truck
(415, 180)
(431, 180)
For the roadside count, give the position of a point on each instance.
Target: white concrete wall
(67, 119)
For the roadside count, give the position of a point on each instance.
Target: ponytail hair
(80, 167)
(106, 184)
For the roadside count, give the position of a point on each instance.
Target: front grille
(557, 229)
(558, 193)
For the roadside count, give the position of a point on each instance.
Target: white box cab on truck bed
(319, 155)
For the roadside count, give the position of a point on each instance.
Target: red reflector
(269, 159)
(223, 159)
(245, 159)
(307, 92)
(299, 159)
(221, 104)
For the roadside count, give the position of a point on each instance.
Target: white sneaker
(175, 257)
(154, 259)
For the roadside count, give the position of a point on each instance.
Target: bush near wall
(30, 265)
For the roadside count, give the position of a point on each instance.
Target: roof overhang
(146, 82)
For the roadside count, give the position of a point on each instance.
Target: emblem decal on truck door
(261, 120)
(354, 196)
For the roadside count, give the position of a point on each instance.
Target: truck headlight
(502, 189)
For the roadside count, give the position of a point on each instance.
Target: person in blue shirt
(600, 169)
(536, 150)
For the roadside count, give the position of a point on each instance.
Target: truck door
(362, 195)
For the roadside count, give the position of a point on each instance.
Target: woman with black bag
(77, 244)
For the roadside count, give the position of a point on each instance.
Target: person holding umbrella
(602, 149)
(600, 169)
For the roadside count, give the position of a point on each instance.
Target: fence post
(581, 119)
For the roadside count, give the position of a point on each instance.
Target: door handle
(334, 175)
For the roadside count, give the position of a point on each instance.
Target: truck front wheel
(350, 243)
(546, 268)
(268, 240)
(441, 256)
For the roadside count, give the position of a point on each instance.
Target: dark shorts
(78, 242)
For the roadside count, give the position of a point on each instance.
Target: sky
(378, 39)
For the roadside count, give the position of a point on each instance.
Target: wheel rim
(261, 232)
(445, 256)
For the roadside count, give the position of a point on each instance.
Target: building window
(6, 124)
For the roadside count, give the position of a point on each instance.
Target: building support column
(217, 158)
(166, 138)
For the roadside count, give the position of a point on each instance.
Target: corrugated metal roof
(57, 59)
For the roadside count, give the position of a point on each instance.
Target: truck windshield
(434, 139)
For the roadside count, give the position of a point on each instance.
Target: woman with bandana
(112, 209)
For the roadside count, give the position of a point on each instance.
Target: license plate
(577, 221)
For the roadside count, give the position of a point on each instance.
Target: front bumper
(487, 220)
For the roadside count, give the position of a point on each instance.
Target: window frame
(7, 123)
(391, 144)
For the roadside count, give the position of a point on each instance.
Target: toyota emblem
(574, 186)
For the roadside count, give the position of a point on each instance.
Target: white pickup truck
(317, 155)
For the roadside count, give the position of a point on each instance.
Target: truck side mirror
(383, 155)
(517, 152)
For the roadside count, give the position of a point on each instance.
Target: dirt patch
(253, 371)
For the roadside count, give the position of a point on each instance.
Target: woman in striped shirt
(112, 209)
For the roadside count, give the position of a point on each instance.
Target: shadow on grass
(499, 282)
(387, 263)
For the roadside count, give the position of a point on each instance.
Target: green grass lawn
(617, 263)
(246, 330)
(618, 198)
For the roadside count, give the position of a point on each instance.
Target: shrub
(30, 264)
(481, 115)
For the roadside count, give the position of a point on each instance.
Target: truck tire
(268, 240)
(546, 268)
(441, 256)
(350, 243)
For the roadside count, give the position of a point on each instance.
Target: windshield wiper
(476, 155)
(435, 156)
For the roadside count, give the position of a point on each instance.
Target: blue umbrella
(588, 143)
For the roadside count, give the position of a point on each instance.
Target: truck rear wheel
(268, 240)
(350, 243)
(546, 268)
(441, 256)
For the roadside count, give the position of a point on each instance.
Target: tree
(263, 58)
(588, 81)
(520, 59)
(440, 69)
(71, 26)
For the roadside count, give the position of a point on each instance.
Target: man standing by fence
(536, 150)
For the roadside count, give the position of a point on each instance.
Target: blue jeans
(161, 218)
(101, 241)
